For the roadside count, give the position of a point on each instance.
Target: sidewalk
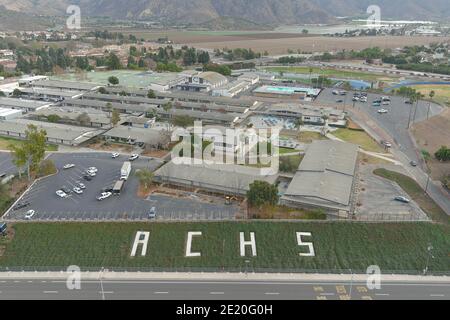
(184, 276)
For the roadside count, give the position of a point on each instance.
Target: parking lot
(376, 200)
(6, 165)
(395, 121)
(85, 207)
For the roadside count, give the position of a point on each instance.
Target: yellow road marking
(341, 290)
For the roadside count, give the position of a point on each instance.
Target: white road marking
(217, 293)
(436, 295)
(272, 293)
(327, 294)
(50, 291)
(381, 294)
(107, 292)
(161, 292)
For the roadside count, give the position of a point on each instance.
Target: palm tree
(418, 97)
(108, 108)
(167, 107)
(431, 95)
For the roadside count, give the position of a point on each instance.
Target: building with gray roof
(56, 133)
(22, 104)
(324, 178)
(65, 85)
(221, 178)
(136, 135)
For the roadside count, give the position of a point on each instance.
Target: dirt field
(180, 36)
(442, 92)
(315, 43)
(431, 135)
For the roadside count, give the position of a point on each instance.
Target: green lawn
(413, 189)
(5, 142)
(392, 246)
(360, 138)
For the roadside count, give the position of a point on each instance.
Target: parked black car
(21, 205)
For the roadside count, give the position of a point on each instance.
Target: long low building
(56, 133)
(98, 119)
(148, 109)
(226, 178)
(136, 135)
(65, 85)
(9, 114)
(184, 96)
(324, 178)
(21, 104)
(49, 94)
(112, 98)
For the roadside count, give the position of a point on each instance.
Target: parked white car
(115, 155)
(91, 173)
(77, 190)
(61, 194)
(29, 214)
(382, 111)
(81, 185)
(133, 157)
(93, 169)
(104, 195)
(69, 166)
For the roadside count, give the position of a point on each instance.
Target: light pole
(429, 249)
(351, 284)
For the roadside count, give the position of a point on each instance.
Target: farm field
(393, 246)
(309, 44)
(442, 92)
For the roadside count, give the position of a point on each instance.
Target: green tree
(47, 168)
(31, 152)
(17, 93)
(167, 107)
(443, 154)
(113, 80)
(183, 121)
(2, 94)
(84, 119)
(53, 118)
(115, 117)
(102, 90)
(151, 94)
(262, 193)
(113, 62)
(145, 177)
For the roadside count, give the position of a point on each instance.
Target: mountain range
(267, 12)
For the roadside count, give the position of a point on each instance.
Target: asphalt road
(219, 290)
(395, 122)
